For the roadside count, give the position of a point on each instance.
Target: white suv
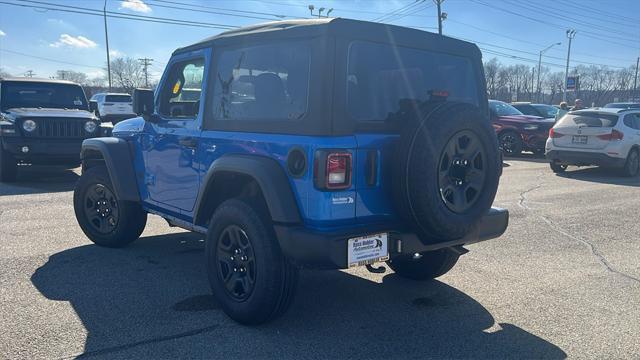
(113, 107)
(604, 137)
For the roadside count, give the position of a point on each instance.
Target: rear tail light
(554, 135)
(332, 170)
(615, 135)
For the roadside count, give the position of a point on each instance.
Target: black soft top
(341, 28)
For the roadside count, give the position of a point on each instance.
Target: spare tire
(446, 170)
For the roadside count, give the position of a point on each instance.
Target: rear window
(588, 120)
(381, 75)
(118, 98)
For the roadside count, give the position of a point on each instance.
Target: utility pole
(441, 15)
(29, 74)
(106, 37)
(145, 65)
(539, 87)
(533, 74)
(571, 33)
(635, 82)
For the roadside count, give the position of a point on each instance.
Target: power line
(573, 20)
(393, 12)
(527, 41)
(547, 23)
(49, 59)
(110, 14)
(201, 9)
(617, 17)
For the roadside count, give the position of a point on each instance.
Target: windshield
(18, 94)
(588, 120)
(118, 98)
(547, 111)
(503, 109)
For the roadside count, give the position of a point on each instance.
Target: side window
(180, 92)
(528, 110)
(632, 121)
(263, 82)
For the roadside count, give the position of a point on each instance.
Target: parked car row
(44, 121)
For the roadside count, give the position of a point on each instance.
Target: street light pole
(540, 66)
(106, 36)
(635, 82)
(571, 33)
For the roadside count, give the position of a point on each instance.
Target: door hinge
(149, 179)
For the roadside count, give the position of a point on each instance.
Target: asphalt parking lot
(563, 281)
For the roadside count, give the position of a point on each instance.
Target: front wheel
(511, 143)
(426, 266)
(106, 220)
(557, 167)
(632, 165)
(249, 275)
(8, 166)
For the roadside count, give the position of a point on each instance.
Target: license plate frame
(368, 249)
(580, 139)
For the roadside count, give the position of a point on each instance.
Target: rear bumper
(580, 158)
(44, 151)
(328, 250)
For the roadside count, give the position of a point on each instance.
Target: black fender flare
(117, 157)
(268, 174)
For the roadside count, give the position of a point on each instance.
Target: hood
(48, 112)
(522, 118)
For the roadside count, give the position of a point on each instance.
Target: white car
(606, 137)
(113, 107)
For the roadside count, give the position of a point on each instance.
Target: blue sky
(34, 38)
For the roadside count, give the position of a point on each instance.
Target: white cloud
(2, 33)
(74, 41)
(135, 5)
(116, 53)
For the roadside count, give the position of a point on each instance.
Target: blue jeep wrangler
(325, 143)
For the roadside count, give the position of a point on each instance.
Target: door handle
(188, 142)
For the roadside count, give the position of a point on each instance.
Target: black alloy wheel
(101, 209)
(510, 144)
(236, 262)
(462, 171)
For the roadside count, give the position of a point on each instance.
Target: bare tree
(127, 73)
(75, 76)
(4, 74)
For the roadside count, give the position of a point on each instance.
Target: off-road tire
(422, 148)
(515, 144)
(8, 166)
(557, 167)
(275, 279)
(431, 265)
(130, 221)
(632, 164)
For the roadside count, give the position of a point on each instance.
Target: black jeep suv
(42, 122)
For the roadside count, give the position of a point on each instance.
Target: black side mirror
(143, 102)
(93, 106)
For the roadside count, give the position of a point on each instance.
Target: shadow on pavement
(601, 175)
(530, 157)
(34, 179)
(152, 300)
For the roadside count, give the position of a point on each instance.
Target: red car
(518, 132)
